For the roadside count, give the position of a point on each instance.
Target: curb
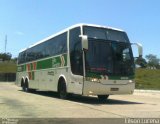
(146, 91)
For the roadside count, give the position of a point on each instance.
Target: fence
(7, 77)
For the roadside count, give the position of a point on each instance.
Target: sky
(27, 21)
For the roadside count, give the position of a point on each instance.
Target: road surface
(14, 103)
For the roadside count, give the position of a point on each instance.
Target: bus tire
(23, 85)
(103, 98)
(62, 90)
(26, 87)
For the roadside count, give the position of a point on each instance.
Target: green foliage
(141, 62)
(147, 79)
(8, 67)
(14, 60)
(153, 61)
(5, 56)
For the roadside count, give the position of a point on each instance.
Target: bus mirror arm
(84, 39)
(140, 49)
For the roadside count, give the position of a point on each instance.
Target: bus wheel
(62, 89)
(103, 98)
(25, 87)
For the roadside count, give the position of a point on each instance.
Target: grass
(147, 79)
(7, 67)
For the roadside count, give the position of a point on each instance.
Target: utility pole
(5, 43)
(5, 48)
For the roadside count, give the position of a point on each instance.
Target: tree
(5, 56)
(14, 59)
(153, 61)
(141, 62)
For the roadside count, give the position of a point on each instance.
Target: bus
(84, 59)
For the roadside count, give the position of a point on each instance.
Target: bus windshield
(105, 34)
(108, 55)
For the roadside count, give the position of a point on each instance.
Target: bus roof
(67, 29)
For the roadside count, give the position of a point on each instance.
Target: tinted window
(22, 57)
(111, 58)
(93, 32)
(57, 45)
(54, 46)
(76, 52)
(105, 34)
(99, 57)
(117, 36)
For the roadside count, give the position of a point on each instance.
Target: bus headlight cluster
(131, 81)
(94, 80)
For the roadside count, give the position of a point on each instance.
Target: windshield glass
(105, 34)
(109, 55)
(111, 58)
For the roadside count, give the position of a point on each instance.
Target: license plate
(114, 89)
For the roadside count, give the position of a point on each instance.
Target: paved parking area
(15, 103)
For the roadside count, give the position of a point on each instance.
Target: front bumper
(94, 88)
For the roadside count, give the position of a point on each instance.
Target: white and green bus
(83, 59)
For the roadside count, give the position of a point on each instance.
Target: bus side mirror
(84, 41)
(140, 49)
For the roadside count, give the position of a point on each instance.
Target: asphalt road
(14, 103)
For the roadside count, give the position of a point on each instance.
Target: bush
(147, 79)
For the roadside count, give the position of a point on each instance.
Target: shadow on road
(85, 99)
(95, 101)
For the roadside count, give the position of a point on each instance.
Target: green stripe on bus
(44, 64)
(55, 62)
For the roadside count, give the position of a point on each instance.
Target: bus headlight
(131, 81)
(93, 79)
